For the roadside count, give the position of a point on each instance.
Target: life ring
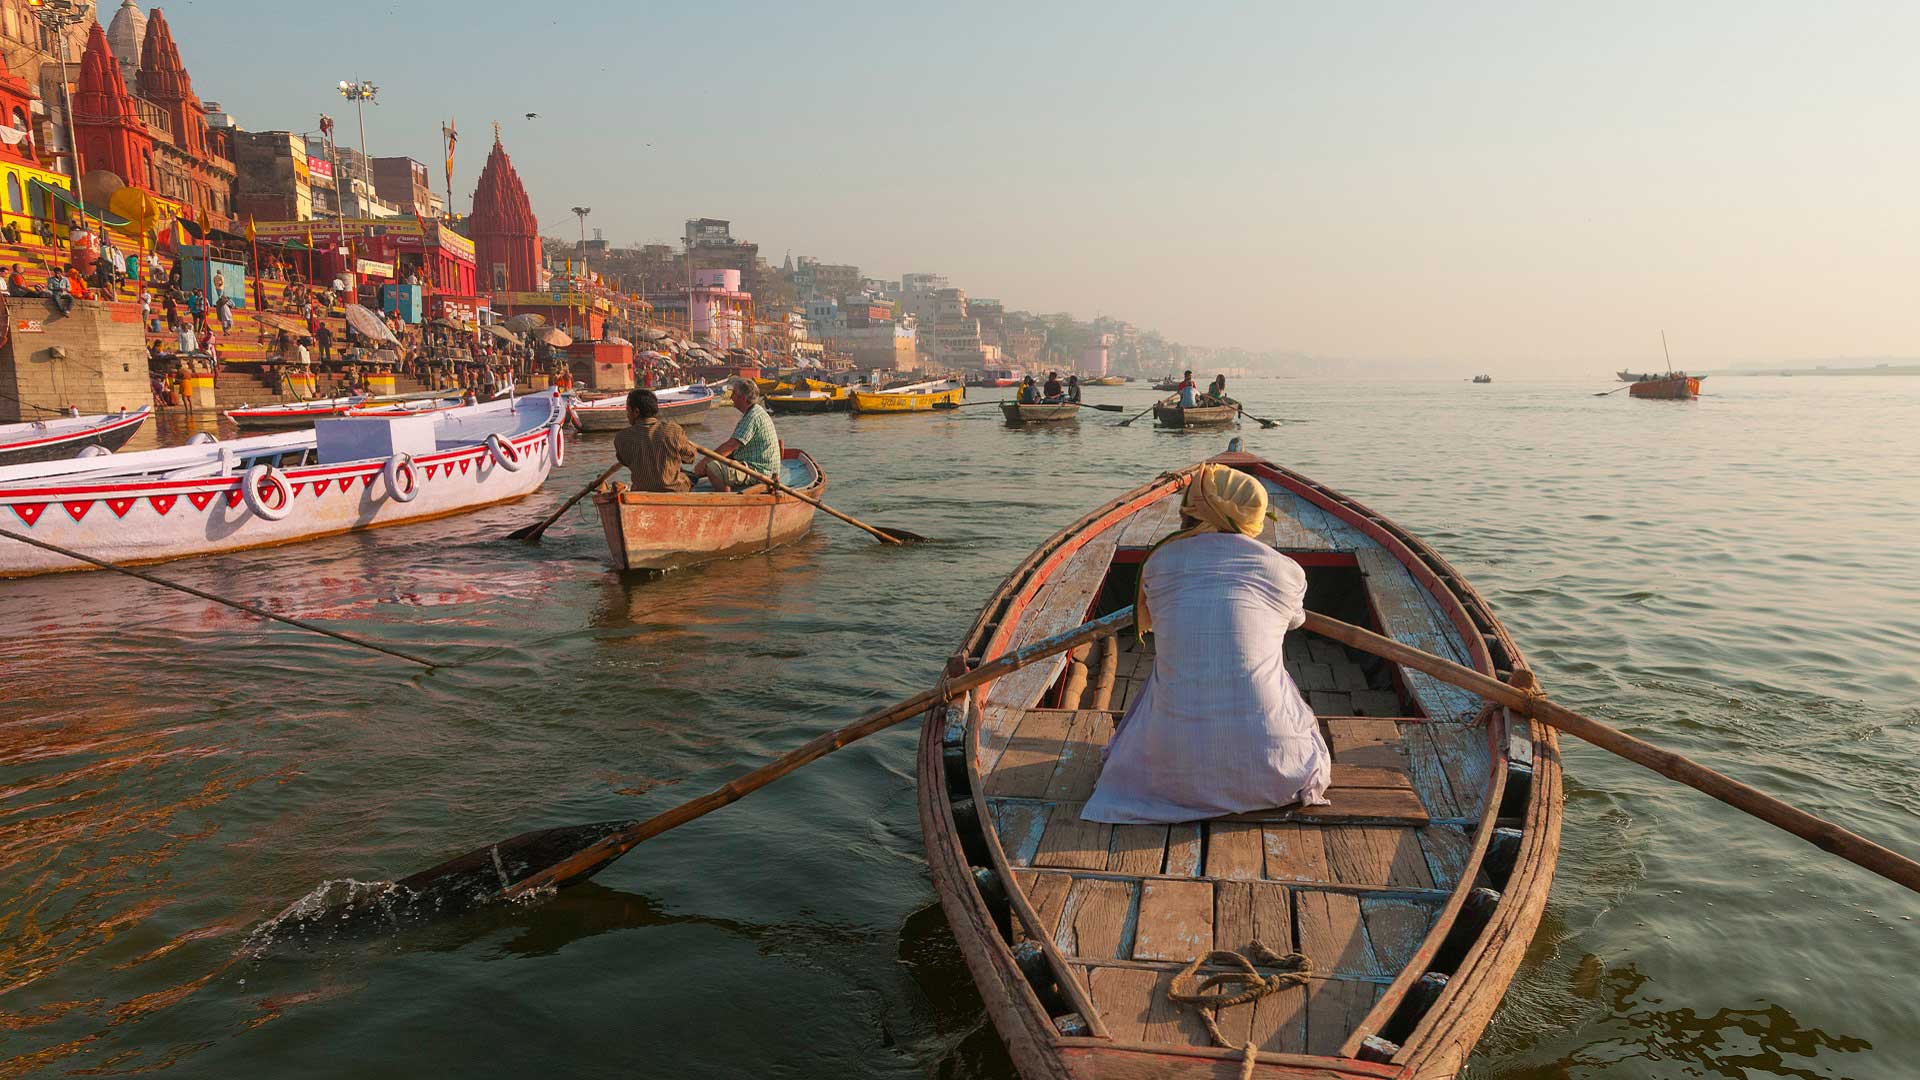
(397, 465)
(264, 475)
(505, 454)
(559, 436)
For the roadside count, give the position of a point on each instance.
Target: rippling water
(1737, 578)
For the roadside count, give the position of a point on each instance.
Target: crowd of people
(1052, 392)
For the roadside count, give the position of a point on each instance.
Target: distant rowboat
(1412, 895)
(295, 413)
(681, 404)
(1678, 386)
(649, 530)
(1108, 380)
(1211, 416)
(67, 436)
(915, 397)
(811, 396)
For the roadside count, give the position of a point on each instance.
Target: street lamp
(56, 16)
(581, 212)
(360, 92)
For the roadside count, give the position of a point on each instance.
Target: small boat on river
(810, 396)
(1019, 415)
(1630, 376)
(649, 530)
(68, 436)
(1673, 386)
(680, 404)
(295, 413)
(1172, 415)
(1483, 378)
(914, 397)
(342, 475)
(1108, 380)
(1412, 895)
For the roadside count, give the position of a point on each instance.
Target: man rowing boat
(652, 449)
(1219, 727)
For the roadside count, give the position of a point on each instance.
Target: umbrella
(274, 321)
(520, 324)
(653, 334)
(616, 339)
(445, 324)
(367, 324)
(556, 338)
(505, 335)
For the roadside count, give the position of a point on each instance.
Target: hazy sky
(1501, 186)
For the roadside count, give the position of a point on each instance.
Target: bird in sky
(533, 116)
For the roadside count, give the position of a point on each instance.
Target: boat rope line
(204, 595)
(1181, 990)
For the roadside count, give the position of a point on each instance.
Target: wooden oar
(1819, 832)
(1143, 412)
(886, 536)
(191, 591)
(558, 857)
(1615, 390)
(1265, 423)
(531, 533)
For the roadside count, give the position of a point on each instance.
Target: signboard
(373, 269)
(319, 168)
(405, 231)
(28, 326)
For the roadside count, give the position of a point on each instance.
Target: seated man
(652, 449)
(1218, 728)
(1053, 391)
(1028, 393)
(754, 444)
(1186, 389)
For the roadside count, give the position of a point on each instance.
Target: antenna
(1663, 348)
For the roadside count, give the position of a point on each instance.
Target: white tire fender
(505, 454)
(558, 436)
(277, 501)
(403, 480)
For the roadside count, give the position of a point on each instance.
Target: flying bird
(533, 116)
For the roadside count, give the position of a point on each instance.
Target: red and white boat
(294, 413)
(68, 436)
(681, 404)
(342, 475)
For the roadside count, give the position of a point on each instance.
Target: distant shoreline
(1877, 369)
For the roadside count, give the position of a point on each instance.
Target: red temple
(110, 133)
(506, 236)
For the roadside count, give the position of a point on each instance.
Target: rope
(1182, 991)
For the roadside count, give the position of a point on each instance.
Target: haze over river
(1737, 578)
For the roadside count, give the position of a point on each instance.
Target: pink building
(716, 308)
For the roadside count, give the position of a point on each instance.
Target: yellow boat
(917, 397)
(807, 396)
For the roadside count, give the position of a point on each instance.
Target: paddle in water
(531, 533)
(1819, 832)
(885, 536)
(532, 862)
(1129, 420)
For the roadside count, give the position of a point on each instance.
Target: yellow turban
(1218, 499)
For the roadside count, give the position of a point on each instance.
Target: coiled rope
(1295, 967)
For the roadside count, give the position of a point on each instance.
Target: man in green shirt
(754, 444)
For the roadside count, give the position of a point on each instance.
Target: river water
(1737, 578)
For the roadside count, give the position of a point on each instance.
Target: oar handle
(592, 858)
(1819, 832)
(778, 486)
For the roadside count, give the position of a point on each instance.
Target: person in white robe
(1219, 727)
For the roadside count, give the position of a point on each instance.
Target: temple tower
(125, 36)
(506, 235)
(163, 80)
(111, 134)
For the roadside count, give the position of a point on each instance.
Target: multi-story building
(275, 182)
(405, 183)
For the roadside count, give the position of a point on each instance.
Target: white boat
(68, 436)
(294, 413)
(342, 475)
(681, 404)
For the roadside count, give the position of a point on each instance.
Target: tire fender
(264, 505)
(403, 480)
(505, 454)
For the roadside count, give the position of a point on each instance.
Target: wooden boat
(347, 474)
(1677, 386)
(811, 396)
(680, 404)
(1628, 376)
(664, 531)
(1167, 384)
(1210, 416)
(1018, 414)
(914, 397)
(1483, 378)
(1108, 380)
(294, 413)
(68, 436)
(1413, 895)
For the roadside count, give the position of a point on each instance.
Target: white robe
(1218, 728)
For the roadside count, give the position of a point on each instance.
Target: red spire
(162, 78)
(101, 97)
(505, 232)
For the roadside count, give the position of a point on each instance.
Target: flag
(453, 139)
(252, 233)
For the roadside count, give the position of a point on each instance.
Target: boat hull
(152, 519)
(1006, 848)
(1020, 415)
(1682, 388)
(1205, 416)
(54, 442)
(668, 530)
(292, 416)
(612, 416)
(864, 402)
(789, 404)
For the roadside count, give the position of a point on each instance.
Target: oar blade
(482, 874)
(904, 536)
(1108, 408)
(529, 533)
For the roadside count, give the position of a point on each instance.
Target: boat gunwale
(731, 500)
(105, 424)
(1497, 948)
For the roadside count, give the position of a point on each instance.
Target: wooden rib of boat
(294, 413)
(1019, 414)
(1211, 416)
(667, 530)
(209, 497)
(680, 404)
(1676, 387)
(67, 436)
(1414, 894)
(915, 397)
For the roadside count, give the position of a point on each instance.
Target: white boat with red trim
(295, 413)
(68, 436)
(681, 404)
(342, 475)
